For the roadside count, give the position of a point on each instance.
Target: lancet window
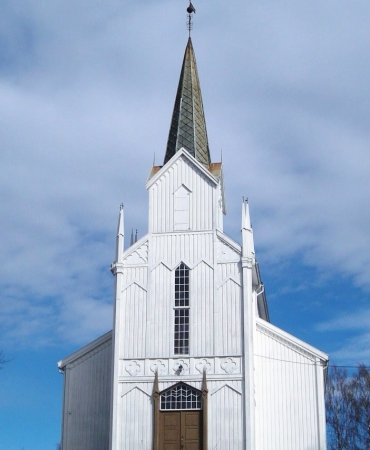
(182, 310)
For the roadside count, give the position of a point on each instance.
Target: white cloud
(87, 91)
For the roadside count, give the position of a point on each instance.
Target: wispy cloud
(354, 351)
(359, 320)
(352, 331)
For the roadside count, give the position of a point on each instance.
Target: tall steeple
(188, 126)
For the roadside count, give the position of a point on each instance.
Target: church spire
(188, 126)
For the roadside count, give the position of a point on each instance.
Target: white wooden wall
(87, 399)
(135, 429)
(290, 411)
(225, 419)
(285, 399)
(192, 247)
(146, 314)
(145, 308)
(203, 197)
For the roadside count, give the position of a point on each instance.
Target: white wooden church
(193, 361)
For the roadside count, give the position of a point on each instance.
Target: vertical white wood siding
(135, 274)
(182, 208)
(181, 173)
(288, 411)
(225, 419)
(133, 314)
(160, 313)
(228, 337)
(173, 248)
(135, 429)
(86, 405)
(201, 310)
(287, 405)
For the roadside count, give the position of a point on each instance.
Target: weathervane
(190, 9)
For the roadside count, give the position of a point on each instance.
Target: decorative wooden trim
(188, 158)
(86, 352)
(138, 284)
(156, 411)
(138, 388)
(205, 411)
(133, 248)
(229, 242)
(218, 368)
(190, 266)
(290, 341)
(231, 278)
(223, 385)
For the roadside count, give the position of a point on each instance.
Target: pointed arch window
(180, 397)
(182, 310)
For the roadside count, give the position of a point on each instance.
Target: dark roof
(188, 126)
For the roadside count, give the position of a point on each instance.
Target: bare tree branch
(348, 409)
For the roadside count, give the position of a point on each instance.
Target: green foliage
(348, 409)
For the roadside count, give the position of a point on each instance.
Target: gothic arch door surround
(180, 417)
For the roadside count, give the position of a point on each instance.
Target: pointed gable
(158, 171)
(183, 196)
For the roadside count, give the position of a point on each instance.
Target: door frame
(156, 415)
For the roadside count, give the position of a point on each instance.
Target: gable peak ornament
(190, 10)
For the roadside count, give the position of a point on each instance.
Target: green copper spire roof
(188, 126)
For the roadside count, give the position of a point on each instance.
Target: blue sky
(87, 90)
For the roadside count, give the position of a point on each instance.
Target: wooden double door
(180, 430)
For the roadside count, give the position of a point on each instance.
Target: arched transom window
(181, 396)
(182, 310)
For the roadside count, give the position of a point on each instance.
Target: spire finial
(190, 9)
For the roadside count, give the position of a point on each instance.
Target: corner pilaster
(248, 260)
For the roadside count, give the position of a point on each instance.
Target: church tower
(183, 321)
(196, 363)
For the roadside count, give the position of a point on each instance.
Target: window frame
(173, 398)
(181, 315)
